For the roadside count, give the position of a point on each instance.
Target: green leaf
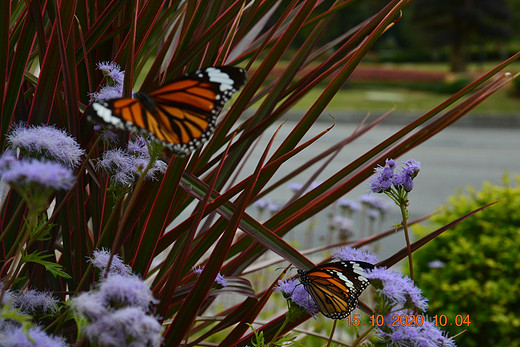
(53, 268)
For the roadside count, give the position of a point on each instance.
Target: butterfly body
(336, 287)
(181, 114)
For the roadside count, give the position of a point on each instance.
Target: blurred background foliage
(480, 272)
(455, 32)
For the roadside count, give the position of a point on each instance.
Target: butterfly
(181, 114)
(336, 287)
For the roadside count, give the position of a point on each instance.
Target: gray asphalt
(463, 155)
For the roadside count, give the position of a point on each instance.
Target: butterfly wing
(336, 287)
(181, 114)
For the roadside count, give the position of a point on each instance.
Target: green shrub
(481, 272)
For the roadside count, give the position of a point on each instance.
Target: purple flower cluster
(266, 203)
(30, 303)
(13, 335)
(100, 258)
(126, 166)
(375, 203)
(388, 176)
(45, 143)
(46, 158)
(348, 205)
(293, 290)
(24, 173)
(117, 309)
(426, 335)
(341, 223)
(397, 289)
(358, 254)
(219, 279)
(114, 82)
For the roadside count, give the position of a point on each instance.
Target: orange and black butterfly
(336, 287)
(181, 114)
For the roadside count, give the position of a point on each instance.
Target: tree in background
(459, 24)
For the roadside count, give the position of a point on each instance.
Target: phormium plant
(100, 232)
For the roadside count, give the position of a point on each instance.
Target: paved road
(450, 161)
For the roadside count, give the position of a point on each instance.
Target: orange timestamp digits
(457, 320)
(410, 320)
(398, 320)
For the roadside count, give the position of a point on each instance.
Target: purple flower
(359, 254)
(262, 204)
(125, 166)
(100, 259)
(90, 305)
(342, 223)
(315, 184)
(386, 177)
(296, 292)
(372, 201)
(436, 264)
(7, 298)
(295, 187)
(426, 335)
(372, 214)
(107, 92)
(46, 141)
(112, 70)
(274, 207)
(348, 205)
(128, 326)
(219, 279)
(397, 288)
(7, 159)
(126, 291)
(46, 174)
(383, 180)
(114, 82)
(14, 336)
(107, 136)
(33, 301)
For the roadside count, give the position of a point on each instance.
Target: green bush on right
(474, 268)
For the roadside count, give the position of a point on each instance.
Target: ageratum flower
(126, 166)
(374, 202)
(114, 82)
(384, 178)
(45, 142)
(398, 289)
(219, 279)
(293, 290)
(128, 326)
(12, 335)
(342, 223)
(90, 305)
(387, 177)
(116, 310)
(426, 335)
(32, 301)
(436, 264)
(126, 291)
(348, 205)
(100, 259)
(45, 174)
(358, 254)
(113, 71)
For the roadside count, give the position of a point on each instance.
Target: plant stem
(402, 207)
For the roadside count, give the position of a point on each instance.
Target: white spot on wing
(106, 115)
(216, 75)
(343, 278)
